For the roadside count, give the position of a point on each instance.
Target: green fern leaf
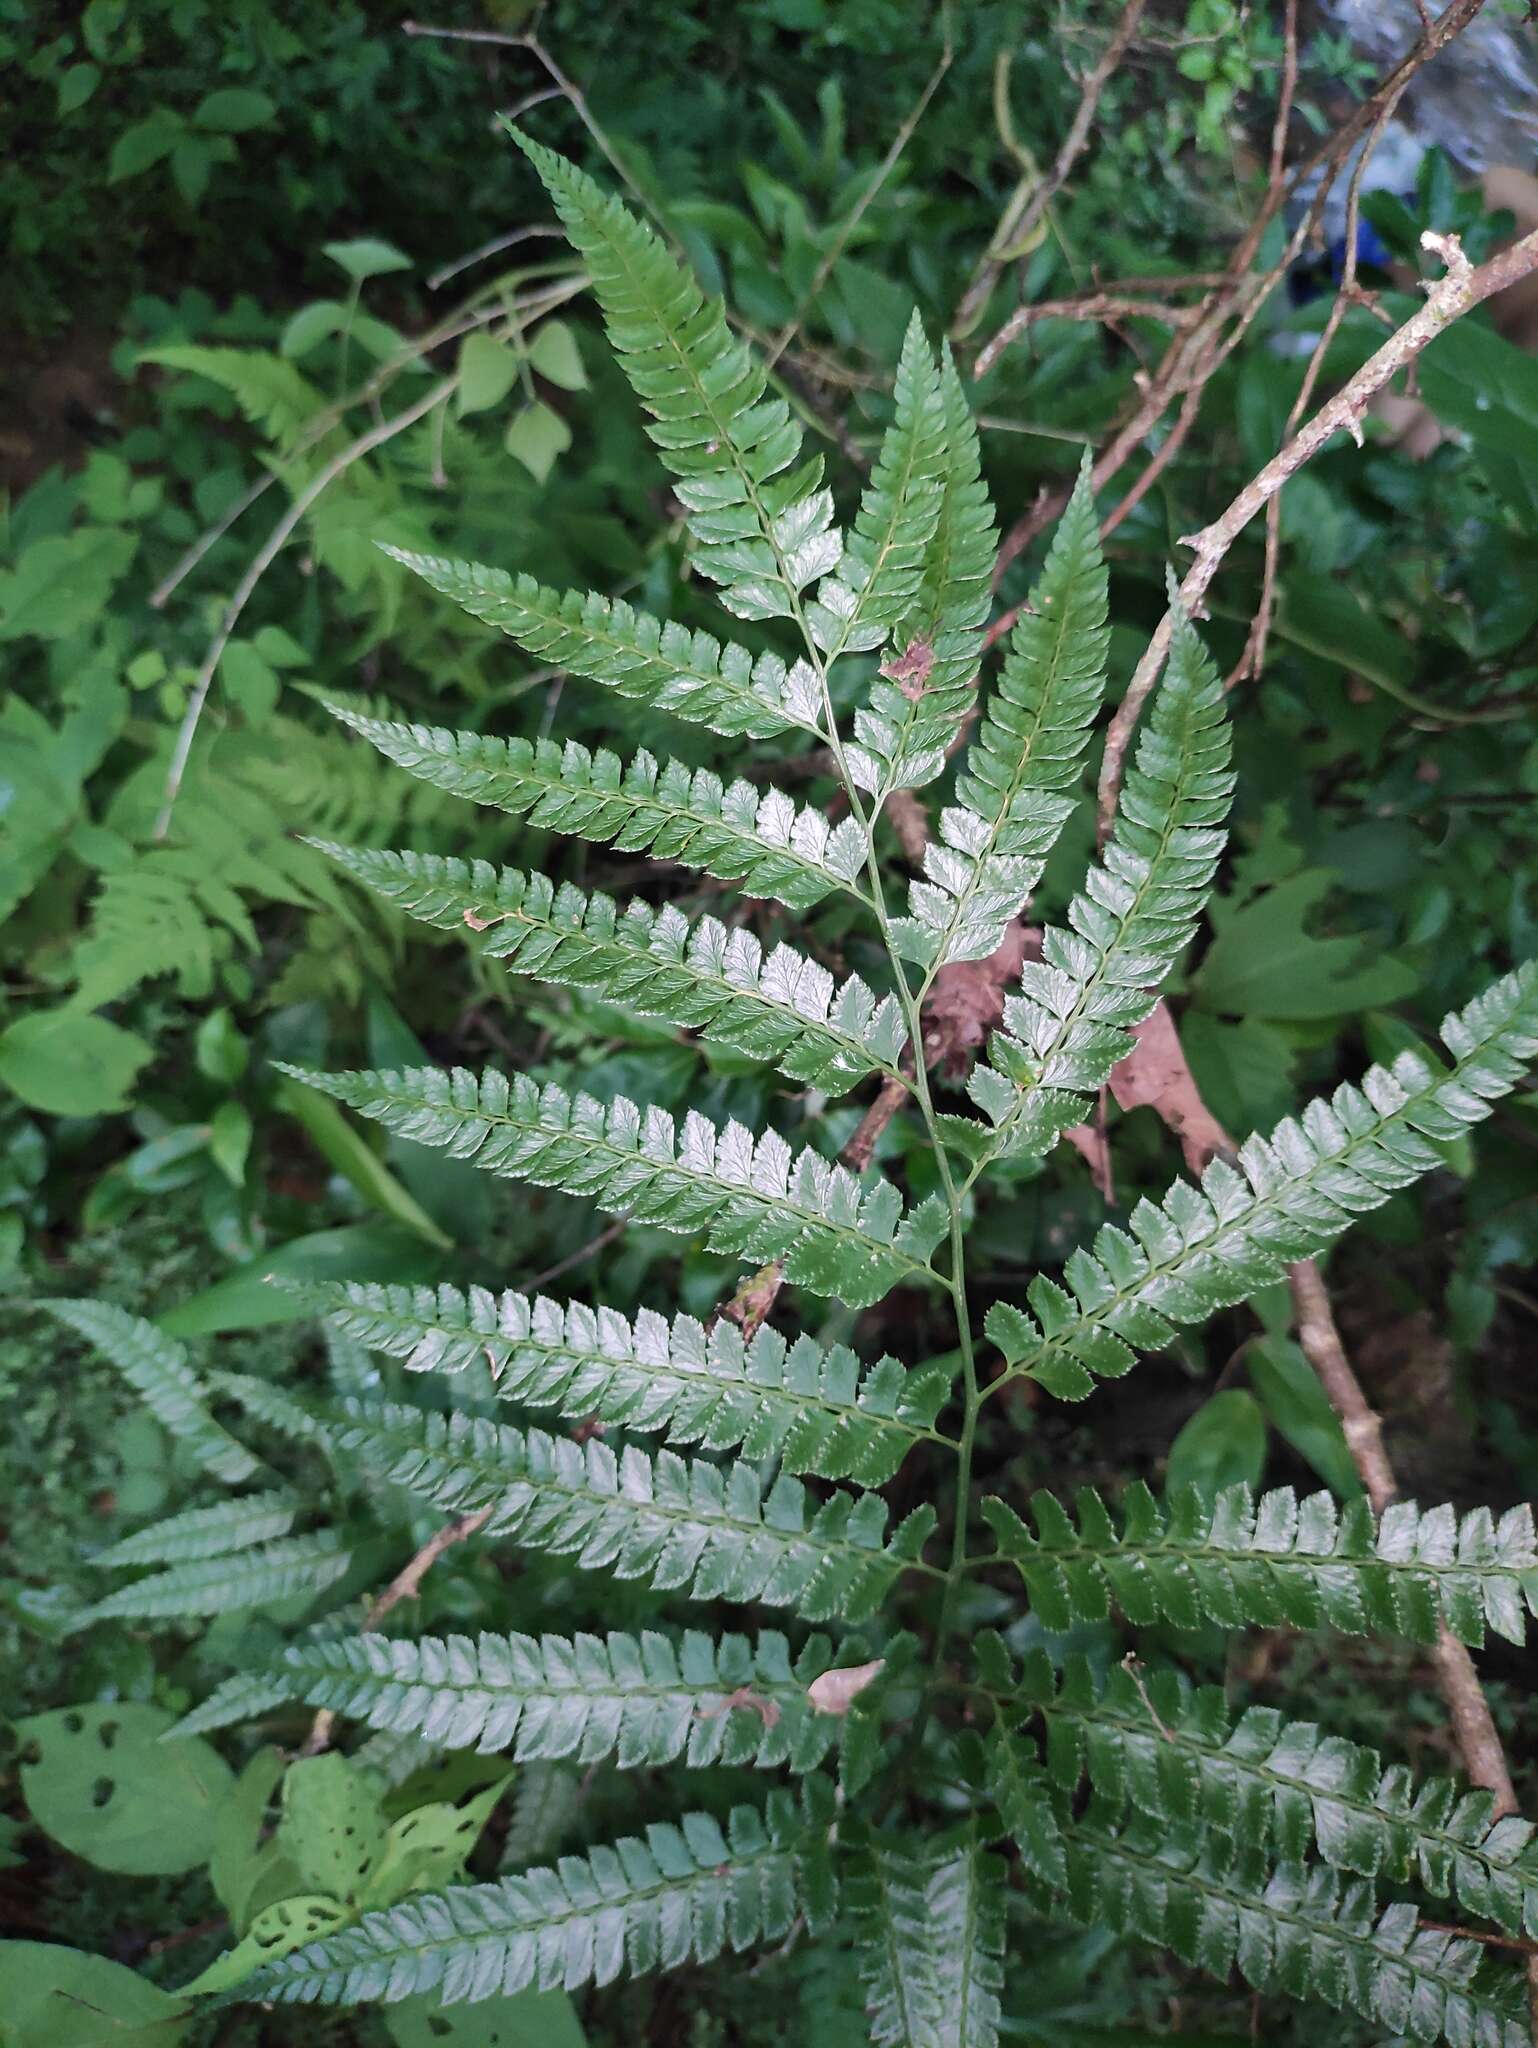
(277, 400)
(808, 1407)
(157, 1369)
(878, 579)
(1275, 1562)
(1288, 1196)
(931, 1944)
(543, 1814)
(1179, 1755)
(670, 1521)
(245, 1696)
(681, 1895)
(224, 1585)
(1012, 799)
(761, 534)
(1302, 1931)
(205, 1532)
(642, 1700)
(654, 661)
(271, 1405)
(703, 977)
(745, 1196)
(740, 833)
(1138, 911)
(909, 723)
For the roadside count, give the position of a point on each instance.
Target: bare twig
(582, 1254)
(891, 1095)
(1020, 229)
(406, 1584)
(257, 568)
(1461, 287)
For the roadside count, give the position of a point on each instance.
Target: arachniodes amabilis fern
(953, 1788)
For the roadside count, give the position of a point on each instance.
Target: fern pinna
(949, 1794)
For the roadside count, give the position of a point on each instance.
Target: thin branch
(977, 293)
(1461, 288)
(261, 562)
(406, 1584)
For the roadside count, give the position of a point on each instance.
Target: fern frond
(1275, 1562)
(670, 1521)
(244, 1696)
(738, 832)
(156, 1367)
(1179, 1755)
(1287, 1197)
(642, 1700)
(275, 397)
(1139, 909)
(274, 1406)
(205, 1532)
(543, 1811)
(224, 1585)
(743, 1195)
(931, 1944)
(761, 534)
(1304, 1932)
(607, 641)
(702, 977)
(682, 1894)
(878, 579)
(808, 1407)
(910, 720)
(1012, 801)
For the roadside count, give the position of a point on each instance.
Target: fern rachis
(723, 1465)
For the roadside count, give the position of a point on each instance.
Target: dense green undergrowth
(164, 969)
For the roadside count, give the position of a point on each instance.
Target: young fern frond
(760, 533)
(702, 977)
(1275, 1562)
(1012, 800)
(739, 832)
(605, 640)
(1306, 1932)
(744, 1195)
(931, 1943)
(204, 1532)
(252, 1577)
(914, 711)
(674, 1522)
(1284, 1199)
(274, 1406)
(681, 1895)
(1138, 911)
(1152, 1745)
(638, 1700)
(813, 1409)
(157, 1369)
(878, 578)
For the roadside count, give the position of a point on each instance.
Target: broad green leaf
(70, 1062)
(1262, 963)
(1222, 1444)
(355, 1159)
(536, 436)
(59, 1997)
(554, 353)
(1288, 1388)
(245, 1299)
(100, 1781)
(332, 1828)
(143, 145)
(366, 257)
(529, 2019)
(234, 109)
(488, 370)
